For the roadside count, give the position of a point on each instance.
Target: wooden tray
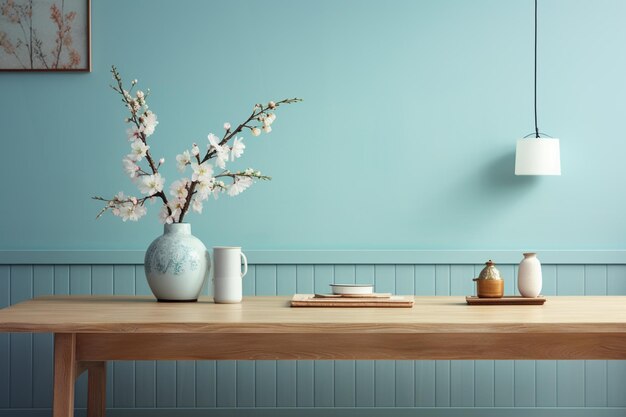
(506, 300)
(309, 300)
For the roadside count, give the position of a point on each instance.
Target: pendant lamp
(537, 155)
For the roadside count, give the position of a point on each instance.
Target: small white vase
(529, 276)
(227, 274)
(177, 264)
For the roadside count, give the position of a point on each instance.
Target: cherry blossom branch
(187, 192)
(130, 104)
(134, 119)
(117, 202)
(234, 175)
(255, 114)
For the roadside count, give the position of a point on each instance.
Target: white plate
(352, 288)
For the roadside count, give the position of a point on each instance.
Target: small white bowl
(352, 289)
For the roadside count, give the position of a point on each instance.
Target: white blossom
(221, 151)
(116, 203)
(267, 128)
(138, 150)
(133, 133)
(218, 187)
(164, 215)
(196, 205)
(176, 207)
(183, 160)
(202, 172)
(130, 167)
(133, 105)
(131, 211)
(204, 188)
(151, 184)
(149, 123)
(237, 149)
(222, 156)
(195, 151)
(179, 189)
(239, 186)
(226, 126)
(214, 141)
(256, 131)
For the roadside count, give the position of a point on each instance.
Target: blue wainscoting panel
(286, 380)
(246, 383)
(206, 384)
(26, 360)
(484, 388)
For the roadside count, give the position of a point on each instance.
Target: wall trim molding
(338, 412)
(335, 257)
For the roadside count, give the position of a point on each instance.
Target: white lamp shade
(538, 156)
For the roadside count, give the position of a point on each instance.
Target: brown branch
(190, 193)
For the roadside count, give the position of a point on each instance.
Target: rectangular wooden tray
(506, 300)
(309, 300)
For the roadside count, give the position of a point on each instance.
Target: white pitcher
(227, 275)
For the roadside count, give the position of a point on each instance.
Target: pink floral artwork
(44, 35)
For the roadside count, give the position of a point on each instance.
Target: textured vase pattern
(176, 264)
(171, 256)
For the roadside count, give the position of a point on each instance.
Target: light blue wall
(405, 140)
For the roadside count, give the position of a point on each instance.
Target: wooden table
(90, 330)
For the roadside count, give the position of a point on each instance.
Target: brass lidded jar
(489, 283)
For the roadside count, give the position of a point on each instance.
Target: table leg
(96, 393)
(64, 374)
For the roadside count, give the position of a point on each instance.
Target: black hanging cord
(536, 126)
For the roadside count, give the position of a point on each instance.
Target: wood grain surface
(338, 346)
(96, 391)
(133, 314)
(65, 368)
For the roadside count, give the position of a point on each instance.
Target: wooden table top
(444, 315)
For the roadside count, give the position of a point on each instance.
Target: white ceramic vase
(177, 264)
(529, 276)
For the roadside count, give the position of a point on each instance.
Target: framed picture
(45, 35)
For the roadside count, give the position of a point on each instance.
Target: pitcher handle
(245, 265)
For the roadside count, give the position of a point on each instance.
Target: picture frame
(45, 35)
